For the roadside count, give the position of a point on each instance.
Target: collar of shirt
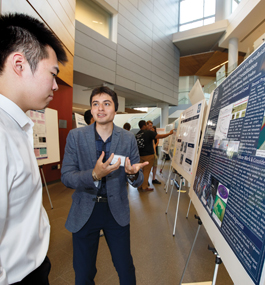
(16, 113)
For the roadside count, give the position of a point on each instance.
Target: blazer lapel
(91, 143)
(115, 139)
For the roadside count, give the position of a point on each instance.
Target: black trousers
(39, 276)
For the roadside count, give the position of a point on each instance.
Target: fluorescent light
(95, 22)
(219, 65)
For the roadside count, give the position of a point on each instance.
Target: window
(94, 16)
(196, 13)
(235, 4)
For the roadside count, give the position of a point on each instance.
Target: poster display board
(230, 178)
(160, 131)
(80, 121)
(39, 133)
(188, 134)
(173, 138)
(167, 140)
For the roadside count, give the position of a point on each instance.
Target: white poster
(80, 121)
(167, 140)
(173, 138)
(187, 138)
(39, 133)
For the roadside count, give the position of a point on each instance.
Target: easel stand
(179, 192)
(42, 173)
(168, 179)
(187, 262)
(218, 261)
(163, 162)
(188, 210)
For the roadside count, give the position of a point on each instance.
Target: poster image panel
(39, 133)
(186, 145)
(230, 177)
(167, 140)
(173, 138)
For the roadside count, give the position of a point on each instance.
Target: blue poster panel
(230, 178)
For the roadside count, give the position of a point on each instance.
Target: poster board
(196, 93)
(80, 121)
(229, 187)
(52, 137)
(188, 135)
(160, 131)
(167, 141)
(173, 138)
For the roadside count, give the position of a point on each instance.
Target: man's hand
(103, 169)
(133, 169)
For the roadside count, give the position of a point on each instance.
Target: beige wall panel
(69, 8)
(72, 3)
(19, 6)
(67, 71)
(61, 12)
(45, 10)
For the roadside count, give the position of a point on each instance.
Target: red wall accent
(62, 102)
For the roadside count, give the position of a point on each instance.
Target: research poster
(167, 140)
(173, 138)
(39, 133)
(80, 121)
(230, 178)
(188, 134)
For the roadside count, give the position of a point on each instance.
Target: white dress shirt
(24, 224)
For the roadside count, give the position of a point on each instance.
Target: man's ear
(18, 61)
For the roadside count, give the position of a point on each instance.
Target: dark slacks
(85, 245)
(38, 276)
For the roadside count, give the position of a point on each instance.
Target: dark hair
(22, 33)
(154, 128)
(88, 116)
(141, 123)
(107, 90)
(127, 126)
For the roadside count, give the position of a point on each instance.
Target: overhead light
(95, 22)
(219, 65)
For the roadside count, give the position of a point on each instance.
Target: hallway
(159, 258)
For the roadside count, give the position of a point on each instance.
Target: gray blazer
(79, 160)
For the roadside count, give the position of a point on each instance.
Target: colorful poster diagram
(187, 139)
(39, 133)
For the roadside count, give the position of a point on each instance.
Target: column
(232, 54)
(164, 114)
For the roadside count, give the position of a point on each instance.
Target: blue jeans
(85, 245)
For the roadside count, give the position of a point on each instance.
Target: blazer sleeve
(135, 158)
(71, 174)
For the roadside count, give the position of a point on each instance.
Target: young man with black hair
(145, 139)
(99, 159)
(29, 55)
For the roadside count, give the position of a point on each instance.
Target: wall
(62, 102)
(144, 59)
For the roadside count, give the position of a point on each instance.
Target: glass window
(209, 8)
(190, 10)
(196, 13)
(94, 16)
(190, 26)
(235, 4)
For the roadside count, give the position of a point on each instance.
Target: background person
(127, 126)
(145, 139)
(29, 55)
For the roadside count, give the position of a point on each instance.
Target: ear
(18, 61)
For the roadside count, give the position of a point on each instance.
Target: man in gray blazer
(99, 159)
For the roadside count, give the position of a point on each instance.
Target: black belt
(100, 199)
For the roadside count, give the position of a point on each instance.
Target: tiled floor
(159, 257)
